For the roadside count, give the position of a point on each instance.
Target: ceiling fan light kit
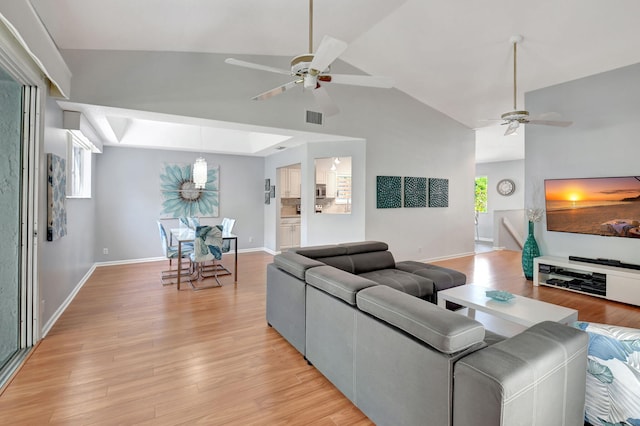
(311, 69)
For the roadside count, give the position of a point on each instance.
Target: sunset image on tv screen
(600, 206)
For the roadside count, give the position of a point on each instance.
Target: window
(481, 194)
(78, 168)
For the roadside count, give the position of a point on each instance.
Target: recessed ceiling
(140, 129)
(454, 56)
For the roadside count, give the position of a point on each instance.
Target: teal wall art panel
(388, 192)
(415, 192)
(438, 192)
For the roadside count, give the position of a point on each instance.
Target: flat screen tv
(599, 206)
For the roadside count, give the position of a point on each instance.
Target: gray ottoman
(442, 278)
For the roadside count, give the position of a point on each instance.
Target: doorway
(290, 195)
(19, 127)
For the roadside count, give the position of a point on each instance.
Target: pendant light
(200, 173)
(200, 170)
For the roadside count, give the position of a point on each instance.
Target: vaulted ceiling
(454, 56)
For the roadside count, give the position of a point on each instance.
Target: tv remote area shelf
(608, 282)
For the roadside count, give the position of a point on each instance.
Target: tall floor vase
(529, 252)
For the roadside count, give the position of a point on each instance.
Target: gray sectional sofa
(377, 336)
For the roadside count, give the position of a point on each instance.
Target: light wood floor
(130, 351)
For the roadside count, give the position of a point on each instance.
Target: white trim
(453, 256)
(30, 36)
(67, 302)
(158, 259)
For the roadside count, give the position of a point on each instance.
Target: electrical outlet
(250, 239)
(419, 249)
(105, 251)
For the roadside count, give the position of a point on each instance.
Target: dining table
(188, 235)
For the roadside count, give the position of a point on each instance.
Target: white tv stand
(609, 282)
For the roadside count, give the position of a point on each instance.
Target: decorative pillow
(613, 375)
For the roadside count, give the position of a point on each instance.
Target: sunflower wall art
(180, 196)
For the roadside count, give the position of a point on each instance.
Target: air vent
(314, 117)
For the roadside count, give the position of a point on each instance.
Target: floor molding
(47, 327)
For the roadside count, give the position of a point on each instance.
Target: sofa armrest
(445, 331)
(295, 264)
(535, 378)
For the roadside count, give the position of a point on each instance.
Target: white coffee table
(520, 310)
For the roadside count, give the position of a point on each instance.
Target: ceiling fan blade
(362, 80)
(276, 91)
(512, 127)
(245, 64)
(328, 51)
(552, 123)
(550, 119)
(324, 101)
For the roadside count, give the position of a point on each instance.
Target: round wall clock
(506, 187)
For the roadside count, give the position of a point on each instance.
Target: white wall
(403, 137)
(495, 172)
(603, 141)
(129, 200)
(64, 262)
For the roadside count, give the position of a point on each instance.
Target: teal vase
(529, 252)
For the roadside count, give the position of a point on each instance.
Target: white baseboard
(47, 327)
(453, 256)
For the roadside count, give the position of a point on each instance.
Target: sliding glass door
(11, 173)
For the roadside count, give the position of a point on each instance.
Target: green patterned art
(415, 192)
(438, 192)
(388, 192)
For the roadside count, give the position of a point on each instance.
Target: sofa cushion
(445, 331)
(295, 264)
(443, 278)
(414, 285)
(372, 261)
(316, 252)
(364, 247)
(337, 282)
(341, 262)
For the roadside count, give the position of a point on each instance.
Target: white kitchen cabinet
(327, 178)
(290, 183)
(289, 233)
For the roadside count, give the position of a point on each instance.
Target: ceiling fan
(513, 119)
(312, 69)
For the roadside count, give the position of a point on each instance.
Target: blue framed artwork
(438, 192)
(56, 197)
(180, 196)
(415, 192)
(388, 192)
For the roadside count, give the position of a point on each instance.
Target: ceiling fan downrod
(515, 40)
(310, 26)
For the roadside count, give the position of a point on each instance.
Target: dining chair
(171, 253)
(207, 249)
(227, 227)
